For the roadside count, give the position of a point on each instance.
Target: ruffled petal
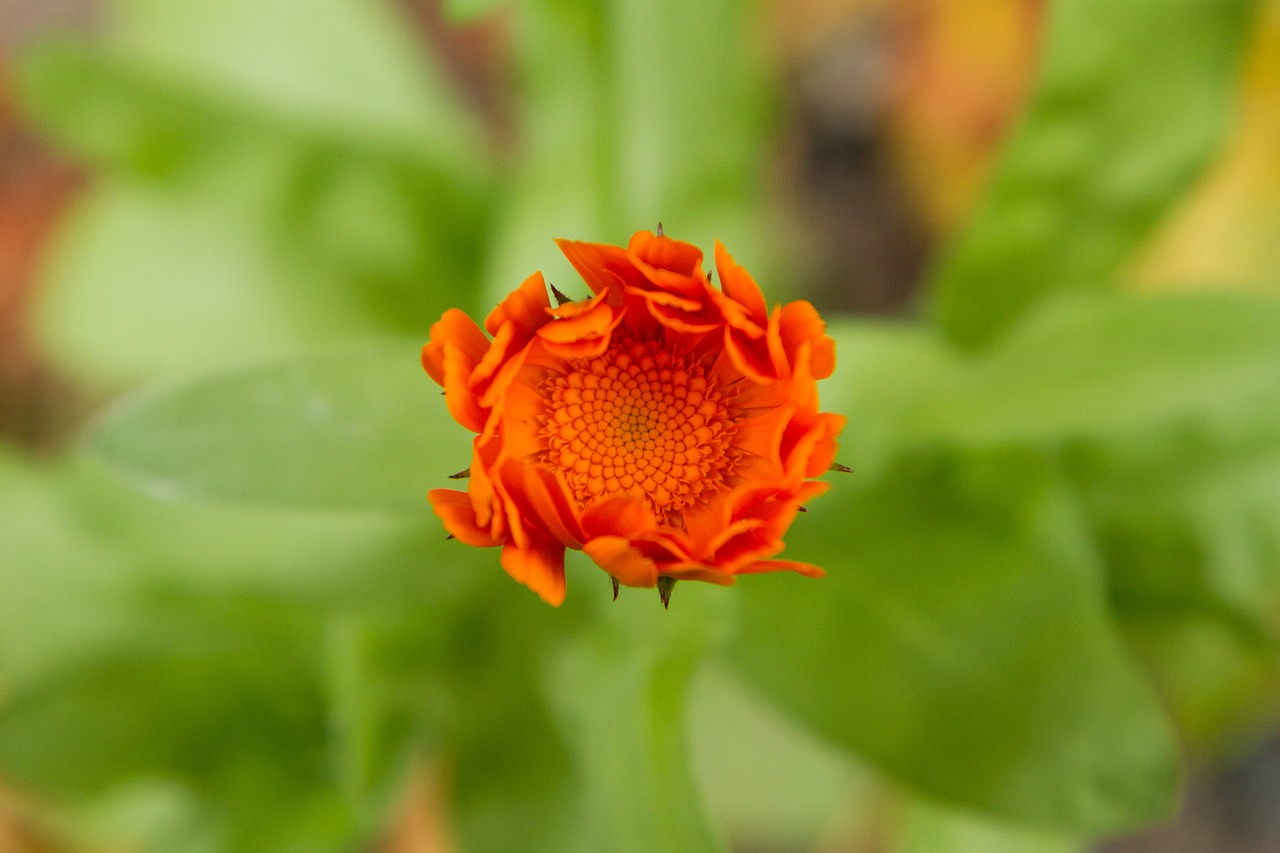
(685, 322)
(737, 316)
(620, 515)
(522, 413)
(586, 348)
(616, 556)
(458, 395)
(496, 357)
(801, 324)
(594, 324)
(455, 328)
(543, 500)
(654, 254)
(739, 286)
(600, 266)
(459, 518)
(526, 307)
(540, 566)
(697, 572)
(750, 357)
(809, 445)
(760, 566)
(761, 436)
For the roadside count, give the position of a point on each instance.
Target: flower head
(668, 428)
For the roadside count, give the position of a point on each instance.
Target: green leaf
(1132, 104)
(1191, 528)
(785, 797)
(929, 829)
(351, 75)
(361, 428)
(146, 283)
(618, 138)
(463, 11)
(1223, 690)
(246, 731)
(1111, 367)
(239, 111)
(620, 691)
(511, 782)
(171, 678)
(960, 641)
(65, 594)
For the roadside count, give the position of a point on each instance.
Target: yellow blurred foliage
(1227, 234)
(964, 72)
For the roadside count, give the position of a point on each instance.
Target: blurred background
(188, 187)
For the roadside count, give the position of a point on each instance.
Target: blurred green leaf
(164, 686)
(928, 829)
(620, 692)
(146, 283)
(325, 137)
(618, 137)
(1192, 527)
(1223, 689)
(1133, 102)
(65, 591)
(361, 428)
(784, 797)
(960, 641)
(462, 11)
(351, 75)
(513, 781)
(1112, 368)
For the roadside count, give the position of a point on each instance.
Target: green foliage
(958, 585)
(370, 430)
(1131, 106)
(620, 692)
(258, 640)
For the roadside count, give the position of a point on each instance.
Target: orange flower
(667, 428)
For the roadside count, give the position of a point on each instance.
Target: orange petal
(616, 556)
(588, 348)
(526, 307)
(456, 328)
(495, 357)
(736, 530)
(460, 399)
(739, 286)
(664, 253)
(598, 320)
(480, 485)
(684, 321)
(573, 309)
(800, 323)
(662, 297)
(811, 453)
(599, 265)
(494, 394)
(760, 566)
(762, 435)
(539, 567)
(748, 356)
(707, 574)
(454, 509)
(621, 515)
(543, 499)
(522, 410)
(737, 315)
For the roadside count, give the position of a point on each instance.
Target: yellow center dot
(638, 420)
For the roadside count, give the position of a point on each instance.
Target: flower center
(640, 420)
